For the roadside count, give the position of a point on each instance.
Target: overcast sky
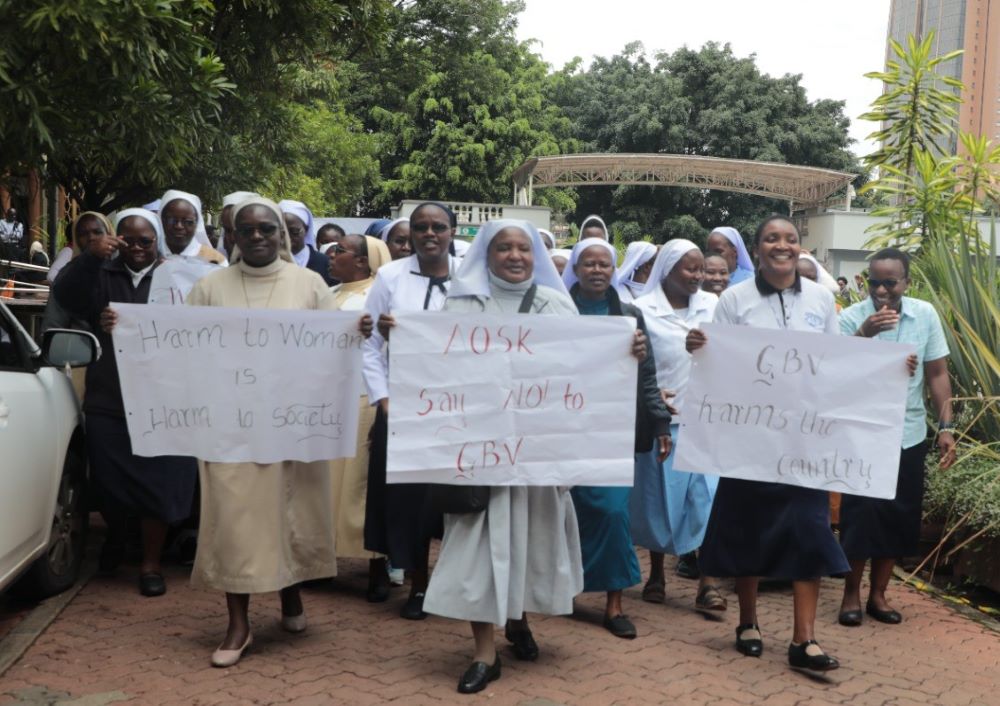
(832, 44)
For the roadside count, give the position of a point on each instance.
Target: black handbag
(467, 499)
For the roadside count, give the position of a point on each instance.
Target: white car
(43, 458)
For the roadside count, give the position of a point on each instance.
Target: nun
(670, 508)
(609, 560)
(560, 258)
(767, 529)
(594, 227)
(635, 269)
(89, 224)
(522, 553)
(302, 233)
(548, 239)
(809, 267)
(183, 230)
(399, 520)
(728, 243)
(229, 201)
(396, 235)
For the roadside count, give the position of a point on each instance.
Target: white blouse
(811, 308)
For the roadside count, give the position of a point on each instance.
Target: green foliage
(966, 497)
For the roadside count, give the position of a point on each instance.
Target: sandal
(710, 598)
(654, 592)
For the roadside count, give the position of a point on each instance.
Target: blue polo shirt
(919, 325)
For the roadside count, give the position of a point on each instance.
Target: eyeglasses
(138, 242)
(338, 248)
(170, 222)
(295, 232)
(265, 229)
(887, 283)
(438, 228)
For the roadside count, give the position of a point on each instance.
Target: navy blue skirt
(872, 528)
(160, 487)
(770, 530)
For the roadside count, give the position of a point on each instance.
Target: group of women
(269, 527)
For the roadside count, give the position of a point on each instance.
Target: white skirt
(521, 555)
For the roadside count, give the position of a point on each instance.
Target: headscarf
(36, 246)
(378, 253)
(108, 228)
(569, 276)
(375, 228)
(637, 254)
(151, 218)
(238, 197)
(561, 252)
(461, 247)
(670, 254)
(326, 246)
(297, 208)
(153, 206)
(285, 248)
(822, 276)
(599, 221)
(743, 261)
(472, 278)
(200, 234)
(384, 232)
(547, 238)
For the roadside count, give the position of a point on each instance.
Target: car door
(27, 454)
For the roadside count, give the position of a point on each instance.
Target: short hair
(362, 241)
(770, 219)
(842, 279)
(893, 254)
(452, 218)
(331, 226)
(710, 255)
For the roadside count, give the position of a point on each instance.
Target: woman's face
(180, 219)
(86, 228)
(686, 277)
(716, 274)
(258, 235)
(641, 274)
(430, 231)
(399, 241)
(560, 262)
(326, 235)
(594, 268)
(139, 251)
(296, 231)
(719, 244)
(510, 256)
(778, 248)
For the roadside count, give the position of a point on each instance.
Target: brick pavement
(112, 646)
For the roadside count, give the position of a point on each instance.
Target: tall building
(971, 25)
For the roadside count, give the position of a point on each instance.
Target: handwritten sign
(239, 385)
(519, 399)
(797, 408)
(174, 279)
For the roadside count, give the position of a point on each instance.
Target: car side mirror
(77, 349)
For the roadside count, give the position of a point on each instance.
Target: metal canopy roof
(802, 187)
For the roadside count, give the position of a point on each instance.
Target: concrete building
(974, 27)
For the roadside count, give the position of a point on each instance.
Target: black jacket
(320, 264)
(84, 288)
(652, 418)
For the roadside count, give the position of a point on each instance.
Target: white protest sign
(174, 279)
(517, 399)
(797, 408)
(239, 384)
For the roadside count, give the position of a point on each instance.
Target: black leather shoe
(523, 644)
(850, 618)
(687, 566)
(890, 617)
(478, 675)
(800, 659)
(620, 626)
(751, 648)
(378, 582)
(413, 609)
(152, 584)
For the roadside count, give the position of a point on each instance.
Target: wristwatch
(945, 426)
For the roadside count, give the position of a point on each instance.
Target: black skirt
(399, 521)
(770, 530)
(872, 528)
(161, 487)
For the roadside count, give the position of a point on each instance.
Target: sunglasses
(338, 249)
(887, 283)
(438, 228)
(170, 222)
(265, 229)
(138, 242)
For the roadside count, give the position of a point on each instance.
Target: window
(13, 354)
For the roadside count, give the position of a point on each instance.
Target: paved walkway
(112, 646)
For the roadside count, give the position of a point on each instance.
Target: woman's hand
(666, 396)
(639, 346)
(695, 340)
(911, 364)
(108, 319)
(946, 447)
(385, 323)
(365, 325)
(666, 445)
(105, 246)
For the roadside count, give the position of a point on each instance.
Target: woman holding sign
(264, 527)
(768, 529)
(609, 560)
(522, 553)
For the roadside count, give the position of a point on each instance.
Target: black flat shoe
(620, 626)
(152, 585)
(478, 675)
(522, 643)
(800, 659)
(850, 618)
(413, 609)
(378, 582)
(753, 647)
(687, 566)
(889, 617)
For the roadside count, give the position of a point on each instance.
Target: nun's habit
(200, 246)
(744, 265)
(670, 508)
(637, 254)
(823, 277)
(594, 220)
(229, 201)
(308, 256)
(522, 554)
(264, 527)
